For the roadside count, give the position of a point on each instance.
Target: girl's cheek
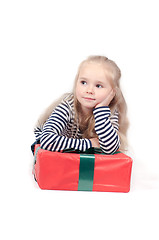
(78, 88)
(102, 96)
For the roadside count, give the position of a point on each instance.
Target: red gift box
(72, 171)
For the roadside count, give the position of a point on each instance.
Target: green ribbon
(35, 155)
(36, 152)
(86, 169)
(86, 172)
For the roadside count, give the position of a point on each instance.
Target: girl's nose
(90, 90)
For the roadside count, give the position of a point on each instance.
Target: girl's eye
(99, 86)
(83, 82)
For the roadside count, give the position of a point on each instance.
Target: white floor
(30, 213)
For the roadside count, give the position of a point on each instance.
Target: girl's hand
(95, 142)
(107, 100)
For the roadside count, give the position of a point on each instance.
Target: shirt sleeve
(37, 132)
(52, 137)
(106, 127)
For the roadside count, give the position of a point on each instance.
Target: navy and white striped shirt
(62, 132)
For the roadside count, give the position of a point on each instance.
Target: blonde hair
(118, 103)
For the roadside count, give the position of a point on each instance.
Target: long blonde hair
(87, 124)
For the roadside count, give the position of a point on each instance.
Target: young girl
(93, 115)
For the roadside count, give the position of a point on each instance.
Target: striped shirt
(62, 132)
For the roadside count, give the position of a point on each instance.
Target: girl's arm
(53, 137)
(106, 128)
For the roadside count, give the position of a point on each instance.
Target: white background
(41, 46)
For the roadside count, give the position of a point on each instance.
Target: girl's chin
(87, 109)
(89, 105)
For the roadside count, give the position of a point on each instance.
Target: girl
(93, 115)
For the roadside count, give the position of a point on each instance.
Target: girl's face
(92, 86)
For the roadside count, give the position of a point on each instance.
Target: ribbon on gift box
(86, 168)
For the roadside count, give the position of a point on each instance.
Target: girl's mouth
(89, 99)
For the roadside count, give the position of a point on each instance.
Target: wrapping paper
(82, 171)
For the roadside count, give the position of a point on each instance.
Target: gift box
(82, 171)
